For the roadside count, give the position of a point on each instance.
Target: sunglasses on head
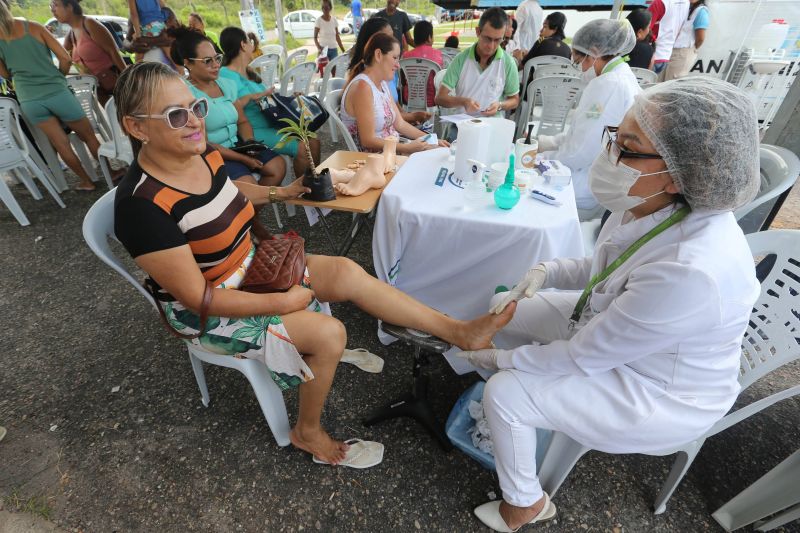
(178, 117)
(207, 61)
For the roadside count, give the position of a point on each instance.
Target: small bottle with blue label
(507, 195)
(474, 189)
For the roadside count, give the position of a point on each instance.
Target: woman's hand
(252, 163)
(417, 145)
(293, 190)
(297, 299)
(419, 117)
(444, 144)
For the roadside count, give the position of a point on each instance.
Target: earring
(144, 141)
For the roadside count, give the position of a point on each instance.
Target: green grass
(35, 505)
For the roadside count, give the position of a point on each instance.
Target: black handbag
(276, 107)
(250, 148)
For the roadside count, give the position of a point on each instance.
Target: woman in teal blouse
(238, 50)
(226, 121)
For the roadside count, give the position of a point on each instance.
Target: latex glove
(483, 358)
(546, 143)
(526, 288)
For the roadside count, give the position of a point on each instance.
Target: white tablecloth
(427, 244)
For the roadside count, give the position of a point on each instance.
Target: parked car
(60, 30)
(300, 24)
(367, 12)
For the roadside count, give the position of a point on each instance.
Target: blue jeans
(332, 52)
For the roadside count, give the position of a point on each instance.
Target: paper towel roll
(501, 139)
(472, 143)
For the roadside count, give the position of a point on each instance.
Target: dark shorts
(236, 169)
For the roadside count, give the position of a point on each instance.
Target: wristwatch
(273, 194)
(499, 106)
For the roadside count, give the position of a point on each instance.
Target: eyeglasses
(576, 63)
(615, 151)
(489, 40)
(208, 60)
(178, 117)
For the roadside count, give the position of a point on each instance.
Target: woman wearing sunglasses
(598, 51)
(226, 122)
(185, 223)
(647, 356)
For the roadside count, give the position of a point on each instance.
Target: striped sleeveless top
(150, 216)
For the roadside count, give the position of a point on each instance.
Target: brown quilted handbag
(278, 265)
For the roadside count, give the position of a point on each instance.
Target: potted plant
(320, 183)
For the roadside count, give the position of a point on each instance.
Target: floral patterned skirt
(260, 337)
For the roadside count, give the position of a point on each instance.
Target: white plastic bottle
(475, 195)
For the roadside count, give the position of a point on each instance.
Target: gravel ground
(150, 457)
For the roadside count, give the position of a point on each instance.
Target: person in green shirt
(238, 52)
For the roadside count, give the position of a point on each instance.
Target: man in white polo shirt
(482, 79)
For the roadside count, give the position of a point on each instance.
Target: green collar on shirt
(614, 63)
(473, 54)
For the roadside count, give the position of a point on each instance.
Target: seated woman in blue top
(226, 121)
(238, 53)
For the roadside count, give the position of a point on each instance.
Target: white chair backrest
(437, 82)
(779, 170)
(339, 64)
(272, 49)
(644, 75)
(98, 227)
(298, 79)
(447, 55)
(12, 145)
(267, 67)
(772, 337)
(558, 96)
(332, 103)
(295, 58)
(556, 70)
(535, 62)
(85, 89)
(417, 72)
(122, 145)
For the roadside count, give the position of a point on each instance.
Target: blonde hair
(6, 19)
(136, 90)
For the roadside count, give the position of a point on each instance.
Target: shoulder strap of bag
(208, 294)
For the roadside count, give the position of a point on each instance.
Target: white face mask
(610, 183)
(589, 74)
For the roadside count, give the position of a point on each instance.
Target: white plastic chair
(332, 103)
(85, 89)
(119, 147)
(330, 83)
(298, 79)
(417, 72)
(295, 58)
(98, 227)
(779, 171)
(448, 54)
(442, 111)
(558, 95)
(535, 62)
(644, 76)
(556, 70)
(770, 341)
(267, 67)
(18, 157)
(268, 49)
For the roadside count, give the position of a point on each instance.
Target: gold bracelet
(273, 194)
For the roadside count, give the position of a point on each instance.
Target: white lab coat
(654, 360)
(675, 15)
(529, 17)
(604, 102)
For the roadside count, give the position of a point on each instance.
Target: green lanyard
(614, 64)
(673, 219)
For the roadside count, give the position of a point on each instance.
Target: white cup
(498, 174)
(525, 154)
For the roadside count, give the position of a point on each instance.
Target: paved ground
(150, 457)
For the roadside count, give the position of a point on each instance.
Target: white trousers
(512, 413)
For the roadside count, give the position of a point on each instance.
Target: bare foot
(370, 176)
(389, 154)
(477, 334)
(516, 517)
(85, 186)
(319, 444)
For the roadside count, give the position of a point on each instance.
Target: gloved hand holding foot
(483, 358)
(526, 288)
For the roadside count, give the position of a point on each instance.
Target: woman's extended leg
(321, 340)
(337, 279)
(58, 138)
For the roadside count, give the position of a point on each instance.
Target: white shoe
(489, 514)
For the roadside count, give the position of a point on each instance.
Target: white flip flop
(362, 454)
(363, 359)
(2, 432)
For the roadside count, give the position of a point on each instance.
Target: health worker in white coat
(647, 357)
(598, 50)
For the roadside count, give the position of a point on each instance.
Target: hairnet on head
(604, 37)
(707, 132)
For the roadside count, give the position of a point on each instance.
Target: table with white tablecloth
(450, 257)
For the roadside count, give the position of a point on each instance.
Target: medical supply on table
(507, 195)
(472, 143)
(557, 174)
(525, 153)
(474, 188)
(496, 176)
(544, 197)
(430, 138)
(522, 179)
(500, 139)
